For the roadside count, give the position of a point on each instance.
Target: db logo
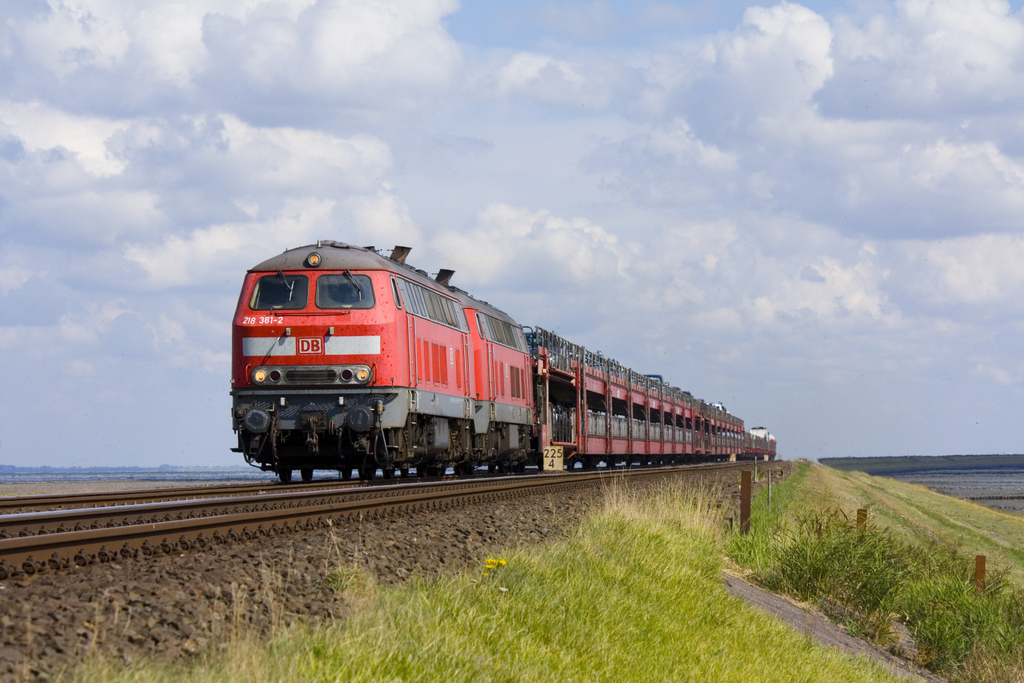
(311, 345)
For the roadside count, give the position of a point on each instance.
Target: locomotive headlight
(354, 374)
(259, 376)
(313, 260)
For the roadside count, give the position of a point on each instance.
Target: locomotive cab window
(344, 291)
(398, 299)
(280, 292)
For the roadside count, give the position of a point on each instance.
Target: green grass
(634, 594)
(913, 563)
(921, 516)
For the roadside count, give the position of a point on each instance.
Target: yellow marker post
(553, 459)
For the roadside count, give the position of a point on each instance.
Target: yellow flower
(491, 564)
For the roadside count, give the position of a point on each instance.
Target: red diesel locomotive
(343, 359)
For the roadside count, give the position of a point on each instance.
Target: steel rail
(28, 555)
(67, 501)
(81, 519)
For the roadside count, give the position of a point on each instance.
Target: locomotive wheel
(306, 473)
(285, 476)
(368, 472)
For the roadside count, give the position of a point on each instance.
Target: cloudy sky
(811, 212)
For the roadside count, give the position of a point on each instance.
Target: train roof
(339, 256)
(334, 256)
(469, 301)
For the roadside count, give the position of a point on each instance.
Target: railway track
(65, 501)
(55, 540)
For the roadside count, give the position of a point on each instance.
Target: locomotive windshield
(344, 291)
(280, 292)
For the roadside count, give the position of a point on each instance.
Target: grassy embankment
(634, 594)
(913, 564)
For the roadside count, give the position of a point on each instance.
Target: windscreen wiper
(289, 285)
(352, 279)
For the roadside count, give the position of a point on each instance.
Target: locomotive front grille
(311, 376)
(346, 375)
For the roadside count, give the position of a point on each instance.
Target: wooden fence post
(979, 573)
(745, 502)
(862, 519)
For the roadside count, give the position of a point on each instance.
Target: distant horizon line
(107, 468)
(952, 455)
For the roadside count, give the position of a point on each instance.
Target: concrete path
(817, 626)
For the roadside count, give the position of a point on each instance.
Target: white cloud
(87, 326)
(18, 337)
(74, 35)
(829, 289)
(550, 79)
(677, 140)
(316, 46)
(171, 339)
(185, 260)
(972, 168)
(383, 220)
(12, 278)
(351, 34)
(938, 49)
(719, 320)
(827, 122)
(528, 71)
(387, 53)
(248, 207)
(42, 127)
(77, 367)
(98, 217)
(511, 242)
(164, 37)
(291, 157)
(990, 370)
(976, 270)
(783, 52)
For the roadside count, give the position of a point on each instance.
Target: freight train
(344, 359)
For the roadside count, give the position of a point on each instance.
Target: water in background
(1000, 489)
(185, 475)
